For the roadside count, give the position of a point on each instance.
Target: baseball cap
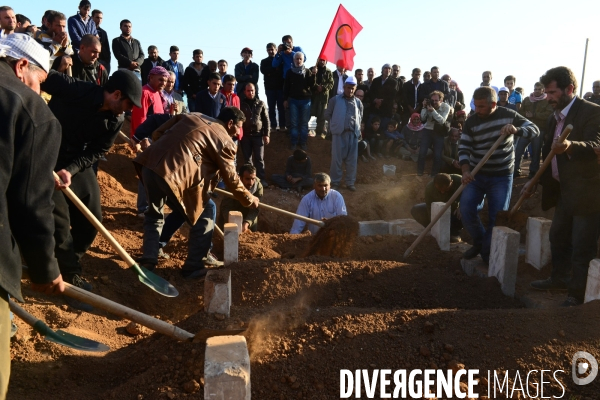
(246, 49)
(351, 80)
(129, 85)
(503, 89)
(19, 45)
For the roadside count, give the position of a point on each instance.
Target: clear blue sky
(463, 37)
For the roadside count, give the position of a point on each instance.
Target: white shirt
(312, 206)
(340, 86)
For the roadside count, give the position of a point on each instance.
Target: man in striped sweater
(494, 180)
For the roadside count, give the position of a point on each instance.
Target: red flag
(339, 44)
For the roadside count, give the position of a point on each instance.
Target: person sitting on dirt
(393, 138)
(374, 136)
(186, 152)
(412, 139)
(364, 149)
(298, 172)
(441, 189)
(322, 203)
(248, 177)
(450, 153)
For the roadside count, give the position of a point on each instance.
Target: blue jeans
(299, 116)
(536, 152)
(160, 194)
(275, 100)
(428, 137)
(498, 191)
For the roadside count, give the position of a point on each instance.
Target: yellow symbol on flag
(344, 37)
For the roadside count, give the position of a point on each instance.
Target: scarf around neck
(414, 127)
(533, 98)
(299, 70)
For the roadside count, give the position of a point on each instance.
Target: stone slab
(226, 369)
(230, 243)
(474, 267)
(372, 228)
(538, 242)
(504, 258)
(236, 217)
(217, 292)
(592, 289)
(405, 227)
(441, 229)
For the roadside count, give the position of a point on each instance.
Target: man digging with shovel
(494, 180)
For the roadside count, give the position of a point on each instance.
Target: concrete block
(371, 228)
(504, 258)
(592, 289)
(230, 243)
(537, 244)
(217, 291)
(236, 217)
(395, 226)
(441, 229)
(404, 227)
(226, 368)
(474, 267)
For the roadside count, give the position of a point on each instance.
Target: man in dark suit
(338, 88)
(572, 185)
(383, 95)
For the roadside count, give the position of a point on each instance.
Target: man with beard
(320, 96)
(152, 61)
(572, 185)
(85, 65)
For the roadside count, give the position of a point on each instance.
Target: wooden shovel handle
(279, 210)
(127, 313)
(564, 135)
(454, 196)
(94, 221)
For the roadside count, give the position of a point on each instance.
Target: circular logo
(343, 37)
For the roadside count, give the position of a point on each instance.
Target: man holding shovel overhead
(188, 156)
(29, 140)
(91, 117)
(494, 180)
(571, 184)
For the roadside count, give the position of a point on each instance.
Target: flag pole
(584, 62)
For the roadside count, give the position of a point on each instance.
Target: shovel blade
(69, 340)
(204, 334)
(155, 282)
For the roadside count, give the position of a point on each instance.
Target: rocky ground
(306, 317)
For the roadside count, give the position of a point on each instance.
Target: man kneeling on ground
(441, 189)
(187, 155)
(321, 204)
(253, 185)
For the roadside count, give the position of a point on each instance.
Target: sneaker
(472, 252)
(323, 136)
(548, 284)
(517, 174)
(211, 259)
(371, 157)
(364, 159)
(162, 254)
(571, 302)
(141, 215)
(13, 329)
(197, 274)
(312, 133)
(351, 188)
(77, 280)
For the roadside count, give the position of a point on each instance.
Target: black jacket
(409, 98)
(29, 139)
(95, 73)
(105, 51)
(146, 67)
(336, 79)
(125, 53)
(191, 80)
(440, 85)
(243, 77)
(206, 105)
(257, 119)
(579, 186)
(298, 86)
(386, 91)
(87, 133)
(273, 77)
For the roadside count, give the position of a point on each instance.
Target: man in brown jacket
(189, 154)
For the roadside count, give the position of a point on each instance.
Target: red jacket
(151, 104)
(233, 100)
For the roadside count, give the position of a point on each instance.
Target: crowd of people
(61, 110)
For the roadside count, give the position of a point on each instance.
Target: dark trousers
(317, 109)
(275, 102)
(420, 213)
(160, 194)
(573, 242)
(281, 181)
(450, 169)
(73, 233)
(428, 139)
(253, 149)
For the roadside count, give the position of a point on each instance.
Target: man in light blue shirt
(322, 203)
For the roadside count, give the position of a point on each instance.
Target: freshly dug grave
(307, 317)
(335, 238)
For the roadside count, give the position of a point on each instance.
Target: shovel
(454, 196)
(143, 319)
(59, 337)
(517, 221)
(278, 210)
(148, 278)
